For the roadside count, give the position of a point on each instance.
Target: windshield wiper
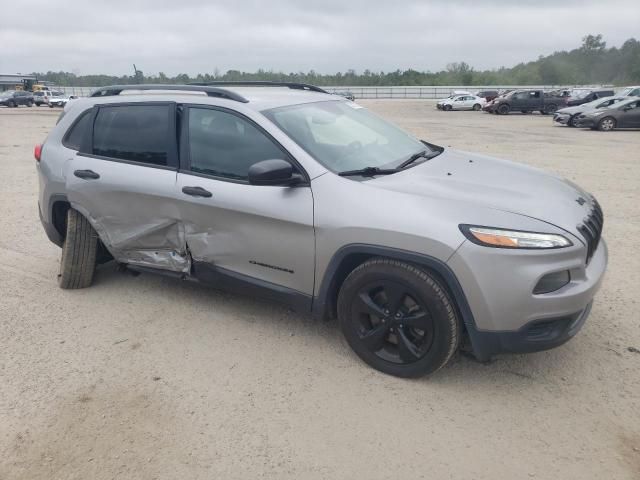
(368, 172)
(416, 156)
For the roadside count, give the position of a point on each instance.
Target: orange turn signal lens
(497, 237)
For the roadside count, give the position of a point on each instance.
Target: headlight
(500, 238)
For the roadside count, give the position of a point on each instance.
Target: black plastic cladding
(291, 85)
(210, 91)
(591, 229)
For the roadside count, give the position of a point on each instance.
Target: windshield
(627, 91)
(600, 102)
(344, 136)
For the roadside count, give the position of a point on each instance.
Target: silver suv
(288, 192)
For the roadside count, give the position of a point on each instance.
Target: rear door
(121, 174)
(257, 234)
(629, 116)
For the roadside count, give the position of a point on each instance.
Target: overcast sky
(191, 36)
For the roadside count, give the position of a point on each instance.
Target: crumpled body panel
(159, 243)
(133, 209)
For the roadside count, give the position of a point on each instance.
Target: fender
(322, 305)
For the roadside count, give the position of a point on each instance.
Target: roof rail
(259, 83)
(210, 91)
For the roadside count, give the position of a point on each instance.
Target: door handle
(86, 174)
(196, 192)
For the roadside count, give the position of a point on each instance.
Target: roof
(259, 97)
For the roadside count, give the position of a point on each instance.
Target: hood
(481, 181)
(574, 110)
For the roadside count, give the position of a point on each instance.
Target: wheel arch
(350, 256)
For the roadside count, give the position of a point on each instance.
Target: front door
(121, 175)
(255, 234)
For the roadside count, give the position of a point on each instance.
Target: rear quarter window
(76, 133)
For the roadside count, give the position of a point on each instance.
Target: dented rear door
(124, 181)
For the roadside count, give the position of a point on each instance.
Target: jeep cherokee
(288, 192)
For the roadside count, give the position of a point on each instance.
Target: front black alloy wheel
(398, 318)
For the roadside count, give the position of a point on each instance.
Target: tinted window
(226, 145)
(133, 132)
(74, 136)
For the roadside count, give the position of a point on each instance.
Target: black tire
(29, 103)
(78, 261)
(607, 124)
(447, 108)
(573, 119)
(477, 107)
(377, 301)
(549, 109)
(12, 104)
(503, 109)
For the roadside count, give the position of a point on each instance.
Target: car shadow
(463, 370)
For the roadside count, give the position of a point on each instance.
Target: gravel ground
(147, 377)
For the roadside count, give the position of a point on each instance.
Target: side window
(635, 93)
(75, 134)
(139, 133)
(225, 145)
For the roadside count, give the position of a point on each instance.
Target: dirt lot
(146, 377)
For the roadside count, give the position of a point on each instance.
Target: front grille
(591, 229)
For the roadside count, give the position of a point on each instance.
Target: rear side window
(138, 133)
(75, 134)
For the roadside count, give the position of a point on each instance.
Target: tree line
(591, 63)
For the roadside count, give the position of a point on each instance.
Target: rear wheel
(607, 124)
(29, 103)
(477, 107)
(398, 318)
(78, 261)
(12, 104)
(551, 108)
(503, 109)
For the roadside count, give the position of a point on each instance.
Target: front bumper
(507, 316)
(586, 122)
(562, 118)
(536, 336)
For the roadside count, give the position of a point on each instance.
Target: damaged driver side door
(122, 178)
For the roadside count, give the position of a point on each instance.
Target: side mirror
(273, 172)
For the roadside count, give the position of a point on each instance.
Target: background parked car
(41, 97)
(59, 100)
(578, 97)
(461, 102)
(15, 98)
(625, 114)
(525, 101)
(569, 115)
(488, 95)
